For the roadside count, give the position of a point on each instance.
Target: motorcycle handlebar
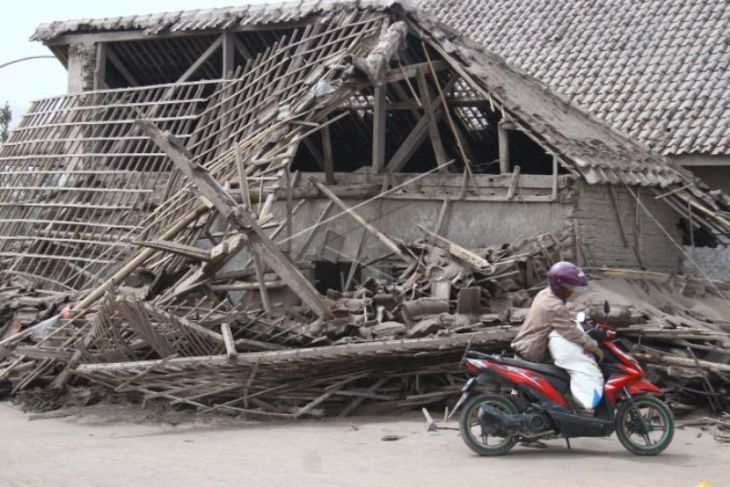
(599, 333)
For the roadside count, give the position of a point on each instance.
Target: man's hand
(599, 353)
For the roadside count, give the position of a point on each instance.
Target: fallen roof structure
(224, 242)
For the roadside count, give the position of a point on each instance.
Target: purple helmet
(566, 276)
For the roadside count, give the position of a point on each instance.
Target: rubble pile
(386, 345)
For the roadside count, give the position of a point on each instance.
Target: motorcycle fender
(643, 386)
(468, 388)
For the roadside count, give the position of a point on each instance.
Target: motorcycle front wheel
(645, 427)
(471, 429)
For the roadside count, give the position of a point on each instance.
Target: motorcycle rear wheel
(470, 428)
(631, 431)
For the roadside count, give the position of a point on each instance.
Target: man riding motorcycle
(549, 331)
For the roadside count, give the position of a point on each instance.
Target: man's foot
(584, 413)
(533, 444)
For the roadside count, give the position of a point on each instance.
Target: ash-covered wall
(642, 243)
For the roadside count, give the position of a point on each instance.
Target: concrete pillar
(81, 67)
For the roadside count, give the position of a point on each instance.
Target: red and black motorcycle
(529, 401)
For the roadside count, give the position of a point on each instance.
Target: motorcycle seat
(546, 369)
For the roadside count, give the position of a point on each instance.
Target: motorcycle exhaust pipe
(496, 423)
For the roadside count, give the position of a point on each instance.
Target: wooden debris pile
(384, 346)
(23, 303)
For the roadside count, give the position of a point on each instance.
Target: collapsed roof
(592, 147)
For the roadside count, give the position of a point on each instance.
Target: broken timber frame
(258, 241)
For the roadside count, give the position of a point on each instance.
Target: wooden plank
(440, 227)
(201, 60)
(263, 290)
(379, 122)
(620, 221)
(242, 180)
(488, 337)
(412, 142)
(329, 167)
(316, 228)
(138, 320)
(289, 209)
(514, 182)
(433, 131)
(387, 241)
(503, 143)
(417, 135)
(177, 249)
(248, 286)
(219, 256)
(229, 52)
(228, 341)
(329, 392)
(467, 256)
(258, 241)
(243, 50)
(119, 65)
(411, 70)
(100, 68)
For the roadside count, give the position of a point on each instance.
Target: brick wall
(713, 262)
(601, 244)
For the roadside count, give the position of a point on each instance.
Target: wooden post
(514, 184)
(289, 209)
(243, 180)
(229, 53)
(100, 69)
(555, 178)
(379, 113)
(433, 131)
(691, 227)
(503, 140)
(228, 341)
(637, 223)
(258, 241)
(263, 290)
(329, 167)
(387, 241)
(622, 230)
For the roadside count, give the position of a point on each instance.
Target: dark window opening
(702, 238)
(524, 152)
(333, 275)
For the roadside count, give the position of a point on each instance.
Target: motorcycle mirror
(581, 317)
(606, 308)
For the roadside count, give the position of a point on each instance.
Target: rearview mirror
(606, 308)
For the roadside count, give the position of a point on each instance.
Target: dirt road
(101, 450)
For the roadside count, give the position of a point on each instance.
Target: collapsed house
(291, 209)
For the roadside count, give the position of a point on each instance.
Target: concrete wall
(470, 223)
(474, 224)
(599, 234)
(81, 67)
(713, 262)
